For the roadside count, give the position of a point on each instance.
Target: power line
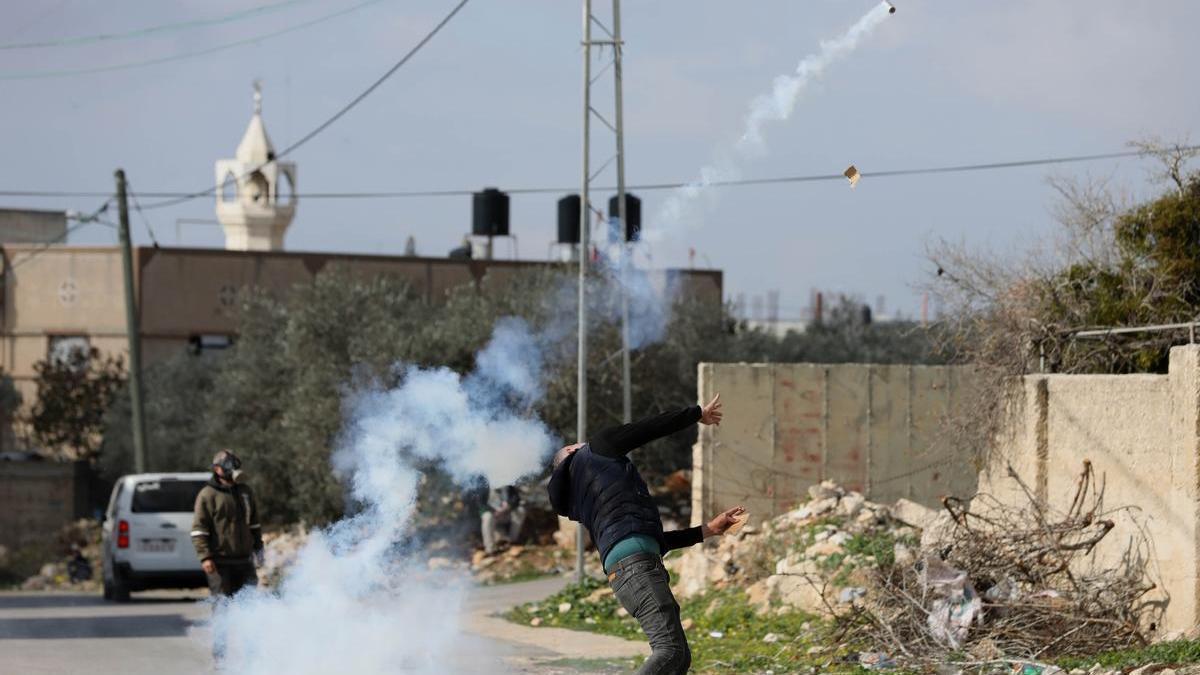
(33, 75)
(152, 30)
(645, 187)
(336, 116)
(141, 214)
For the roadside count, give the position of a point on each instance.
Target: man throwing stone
(596, 484)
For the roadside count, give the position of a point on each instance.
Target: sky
(495, 100)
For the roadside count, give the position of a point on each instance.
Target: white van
(146, 534)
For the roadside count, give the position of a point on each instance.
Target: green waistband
(634, 543)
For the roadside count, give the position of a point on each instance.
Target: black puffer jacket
(599, 487)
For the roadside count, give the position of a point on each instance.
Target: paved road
(165, 632)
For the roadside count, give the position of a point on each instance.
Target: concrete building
(29, 226)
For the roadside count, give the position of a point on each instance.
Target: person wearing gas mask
(596, 484)
(225, 529)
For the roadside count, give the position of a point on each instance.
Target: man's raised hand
(711, 413)
(723, 521)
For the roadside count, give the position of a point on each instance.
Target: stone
(771, 638)
(688, 624)
(825, 490)
(796, 565)
(716, 634)
(848, 595)
(823, 549)
(439, 563)
(589, 621)
(937, 530)
(905, 556)
(1148, 669)
(850, 504)
(796, 592)
(514, 551)
(478, 557)
(819, 507)
(912, 513)
(564, 608)
(535, 621)
(622, 612)
(758, 595)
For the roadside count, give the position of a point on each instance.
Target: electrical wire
(138, 207)
(153, 30)
(40, 74)
(336, 116)
(645, 187)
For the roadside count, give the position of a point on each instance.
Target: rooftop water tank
(489, 213)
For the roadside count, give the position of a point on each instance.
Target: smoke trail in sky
(776, 106)
(360, 598)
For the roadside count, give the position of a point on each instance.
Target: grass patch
(1171, 653)
(526, 572)
(740, 647)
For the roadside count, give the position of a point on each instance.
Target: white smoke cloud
(359, 598)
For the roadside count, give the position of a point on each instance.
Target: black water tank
(568, 220)
(633, 215)
(489, 213)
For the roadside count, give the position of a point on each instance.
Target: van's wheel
(108, 590)
(119, 588)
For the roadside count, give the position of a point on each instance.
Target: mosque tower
(256, 198)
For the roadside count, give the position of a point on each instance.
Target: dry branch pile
(1001, 581)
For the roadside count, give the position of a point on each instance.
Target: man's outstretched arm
(694, 535)
(621, 440)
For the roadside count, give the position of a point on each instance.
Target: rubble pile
(812, 559)
(982, 580)
(77, 566)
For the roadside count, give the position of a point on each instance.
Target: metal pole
(581, 384)
(133, 331)
(626, 257)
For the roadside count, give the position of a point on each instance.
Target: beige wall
(876, 429)
(1142, 436)
(36, 499)
(788, 426)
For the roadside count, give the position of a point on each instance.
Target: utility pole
(133, 331)
(611, 38)
(584, 211)
(626, 252)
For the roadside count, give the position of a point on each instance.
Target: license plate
(158, 545)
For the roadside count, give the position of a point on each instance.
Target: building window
(69, 349)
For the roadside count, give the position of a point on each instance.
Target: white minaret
(256, 195)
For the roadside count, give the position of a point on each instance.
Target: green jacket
(225, 524)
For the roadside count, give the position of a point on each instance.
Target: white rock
(912, 513)
(564, 608)
(716, 634)
(824, 490)
(851, 504)
(622, 612)
(770, 638)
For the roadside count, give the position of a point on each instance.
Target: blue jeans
(643, 588)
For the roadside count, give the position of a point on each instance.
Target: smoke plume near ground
(359, 598)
